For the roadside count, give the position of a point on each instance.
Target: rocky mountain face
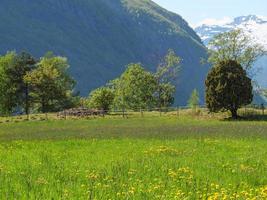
(252, 25)
(100, 37)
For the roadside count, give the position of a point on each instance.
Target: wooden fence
(84, 113)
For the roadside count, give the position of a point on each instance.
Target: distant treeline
(44, 85)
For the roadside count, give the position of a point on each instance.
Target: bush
(101, 98)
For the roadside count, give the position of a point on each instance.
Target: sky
(197, 12)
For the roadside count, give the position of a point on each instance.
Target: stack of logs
(81, 112)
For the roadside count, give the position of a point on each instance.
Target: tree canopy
(8, 96)
(138, 88)
(166, 74)
(228, 87)
(51, 84)
(237, 46)
(101, 98)
(135, 88)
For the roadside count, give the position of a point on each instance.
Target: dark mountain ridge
(100, 37)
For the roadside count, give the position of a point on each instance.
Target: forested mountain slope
(101, 36)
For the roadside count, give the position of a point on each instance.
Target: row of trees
(44, 84)
(229, 84)
(137, 88)
(28, 84)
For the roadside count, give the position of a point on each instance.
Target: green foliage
(8, 96)
(23, 64)
(166, 98)
(47, 86)
(168, 70)
(135, 88)
(237, 46)
(138, 89)
(51, 84)
(15, 93)
(71, 100)
(193, 101)
(24, 82)
(101, 98)
(166, 74)
(228, 87)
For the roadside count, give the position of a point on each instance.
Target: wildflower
(93, 176)
(41, 181)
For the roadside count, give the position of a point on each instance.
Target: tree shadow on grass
(247, 118)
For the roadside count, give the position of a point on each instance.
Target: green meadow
(151, 157)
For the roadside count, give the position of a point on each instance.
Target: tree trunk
(234, 113)
(43, 106)
(27, 103)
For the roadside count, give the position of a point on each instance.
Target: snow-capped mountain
(254, 26)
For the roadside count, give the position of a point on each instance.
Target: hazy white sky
(196, 11)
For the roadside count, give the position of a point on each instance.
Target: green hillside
(101, 36)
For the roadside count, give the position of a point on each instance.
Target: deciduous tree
(135, 88)
(51, 82)
(237, 46)
(8, 97)
(166, 74)
(23, 64)
(101, 98)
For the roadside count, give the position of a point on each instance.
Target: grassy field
(165, 157)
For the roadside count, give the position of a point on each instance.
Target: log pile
(81, 112)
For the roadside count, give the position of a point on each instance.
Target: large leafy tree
(8, 97)
(135, 88)
(235, 45)
(51, 83)
(101, 98)
(22, 64)
(228, 87)
(15, 95)
(165, 75)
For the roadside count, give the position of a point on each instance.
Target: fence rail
(83, 113)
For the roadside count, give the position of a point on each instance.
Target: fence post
(103, 112)
(177, 112)
(123, 114)
(65, 115)
(263, 108)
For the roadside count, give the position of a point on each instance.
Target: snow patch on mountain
(252, 25)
